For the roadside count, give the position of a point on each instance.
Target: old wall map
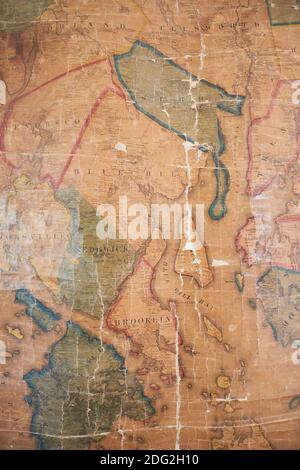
(184, 336)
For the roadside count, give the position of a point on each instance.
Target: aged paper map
(149, 224)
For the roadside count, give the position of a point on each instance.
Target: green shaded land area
(279, 291)
(93, 270)
(182, 103)
(283, 12)
(83, 389)
(43, 316)
(18, 15)
(239, 281)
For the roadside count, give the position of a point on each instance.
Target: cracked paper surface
(188, 343)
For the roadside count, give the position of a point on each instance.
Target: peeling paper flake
(121, 147)
(219, 262)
